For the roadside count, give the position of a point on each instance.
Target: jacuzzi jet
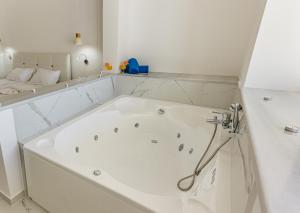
(191, 151)
(137, 125)
(97, 173)
(154, 141)
(178, 135)
(181, 147)
(77, 149)
(96, 138)
(116, 130)
(268, 98)
(161, 111)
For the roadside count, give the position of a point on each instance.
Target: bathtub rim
(32, 148)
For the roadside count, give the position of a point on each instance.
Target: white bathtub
(137, 151)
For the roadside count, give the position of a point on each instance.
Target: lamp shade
(78, 40)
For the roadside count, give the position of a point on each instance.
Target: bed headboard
(52, 61)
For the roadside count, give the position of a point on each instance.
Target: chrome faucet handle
(221, 113)
(225, 120)
(224, 114)
(236, 107)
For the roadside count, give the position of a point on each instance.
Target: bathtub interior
(140, 148)
(143, 149)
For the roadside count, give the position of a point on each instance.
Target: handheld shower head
(235, 108)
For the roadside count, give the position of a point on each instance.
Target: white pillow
(45, 77)
(20, 74)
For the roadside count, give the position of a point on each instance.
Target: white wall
(248, 56)
(187, 36)
(50, 26)
(111, 33)
(275, 61)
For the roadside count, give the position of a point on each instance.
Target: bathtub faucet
(229, 120)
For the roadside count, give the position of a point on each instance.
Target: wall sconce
(78, 40)
(84, 58)
(9, 52)
(9, 56)
(81, 56)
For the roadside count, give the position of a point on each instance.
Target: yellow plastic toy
(108, 66)
(123, 66)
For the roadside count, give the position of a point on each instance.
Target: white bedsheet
(8, 87)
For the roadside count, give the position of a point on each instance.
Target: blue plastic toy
(133, 67)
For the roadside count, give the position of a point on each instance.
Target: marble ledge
(277, 153)
(11, 101)
(189, 77)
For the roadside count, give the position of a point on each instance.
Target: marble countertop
(277, 153)
(190, 77)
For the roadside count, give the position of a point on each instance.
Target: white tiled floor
(20, 207)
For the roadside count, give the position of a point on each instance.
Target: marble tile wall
(37, 116)
(210, 92)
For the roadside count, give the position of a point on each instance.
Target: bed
(49, 61)
(8, 87)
